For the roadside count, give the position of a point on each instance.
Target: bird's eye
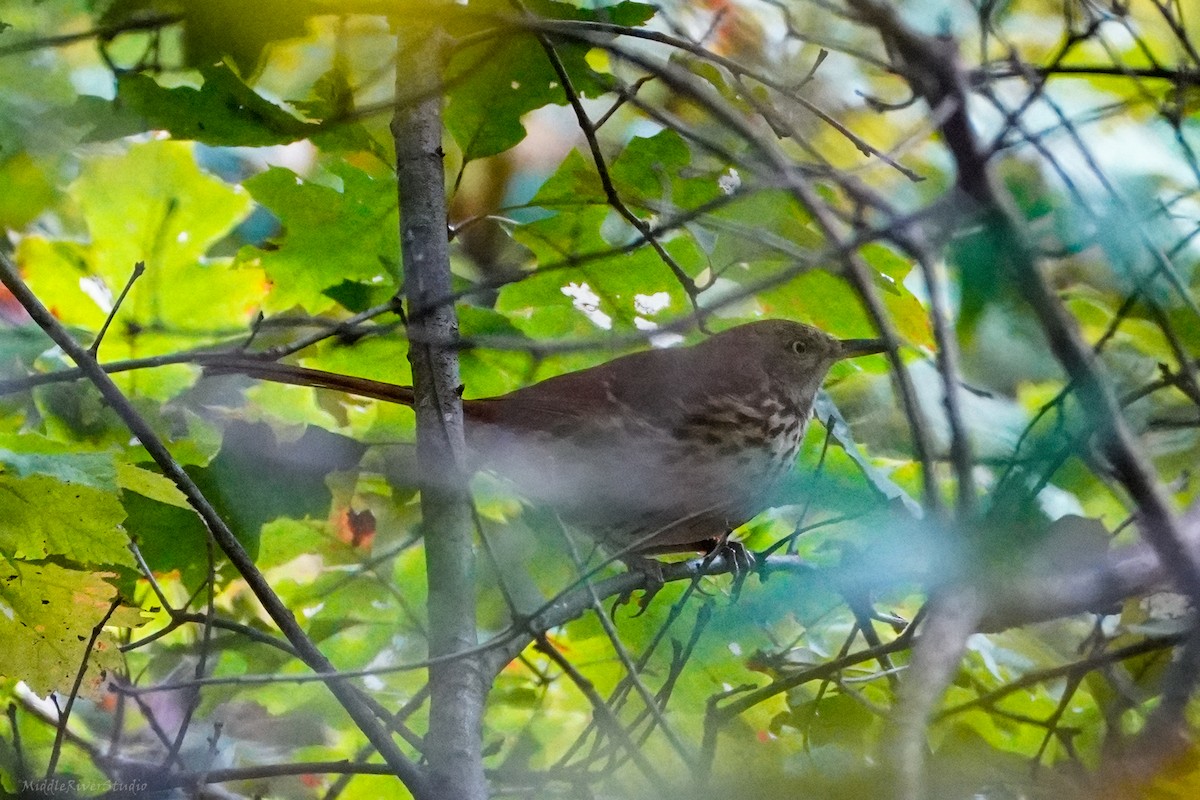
(799, 347)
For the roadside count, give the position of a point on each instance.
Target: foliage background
(735, 160)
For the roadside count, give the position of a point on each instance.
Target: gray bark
(457, 688)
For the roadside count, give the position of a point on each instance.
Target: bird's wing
(653, 387)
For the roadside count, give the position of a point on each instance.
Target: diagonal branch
(279, 613)
(929, 66)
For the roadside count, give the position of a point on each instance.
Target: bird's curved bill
(861, 347)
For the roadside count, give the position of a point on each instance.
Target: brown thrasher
(664, 450)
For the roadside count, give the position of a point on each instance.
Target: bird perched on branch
(665, 450)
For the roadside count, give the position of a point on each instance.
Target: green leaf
(829, 302)
(99, 119)
(981, 256)
(214, 29)
(20, 347)
(223, 111)
(907, 312)
(24, 455)
(285, 539)
(653, 169)
(835, 719)
(256, 478)
(153, 205)
(485, 372)
(817, 297)
(330, 235)
(717, 78)
(574, 183)
(356, 296)
(647, 176)
(47, 613)
(45, 516)
(170, 538)
(495, 83)
(34, 87)
(827, 412)
(609, 291)
(331, 98)
(153, 485)
(28, 190)
(765, 226)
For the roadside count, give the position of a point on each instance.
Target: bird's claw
(652, 570)
(740, 560)
(741, 563)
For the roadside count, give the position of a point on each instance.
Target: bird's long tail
(302, 376)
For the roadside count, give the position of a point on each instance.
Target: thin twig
(65, 716)
(275, 608)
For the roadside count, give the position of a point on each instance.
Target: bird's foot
(652, 569)
(741, 562)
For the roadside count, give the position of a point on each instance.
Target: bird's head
(792, 354)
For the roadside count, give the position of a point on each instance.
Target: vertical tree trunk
(457, 689)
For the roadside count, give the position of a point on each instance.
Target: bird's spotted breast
(758, 436)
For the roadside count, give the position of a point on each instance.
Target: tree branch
(279, 613)
(457, 689)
